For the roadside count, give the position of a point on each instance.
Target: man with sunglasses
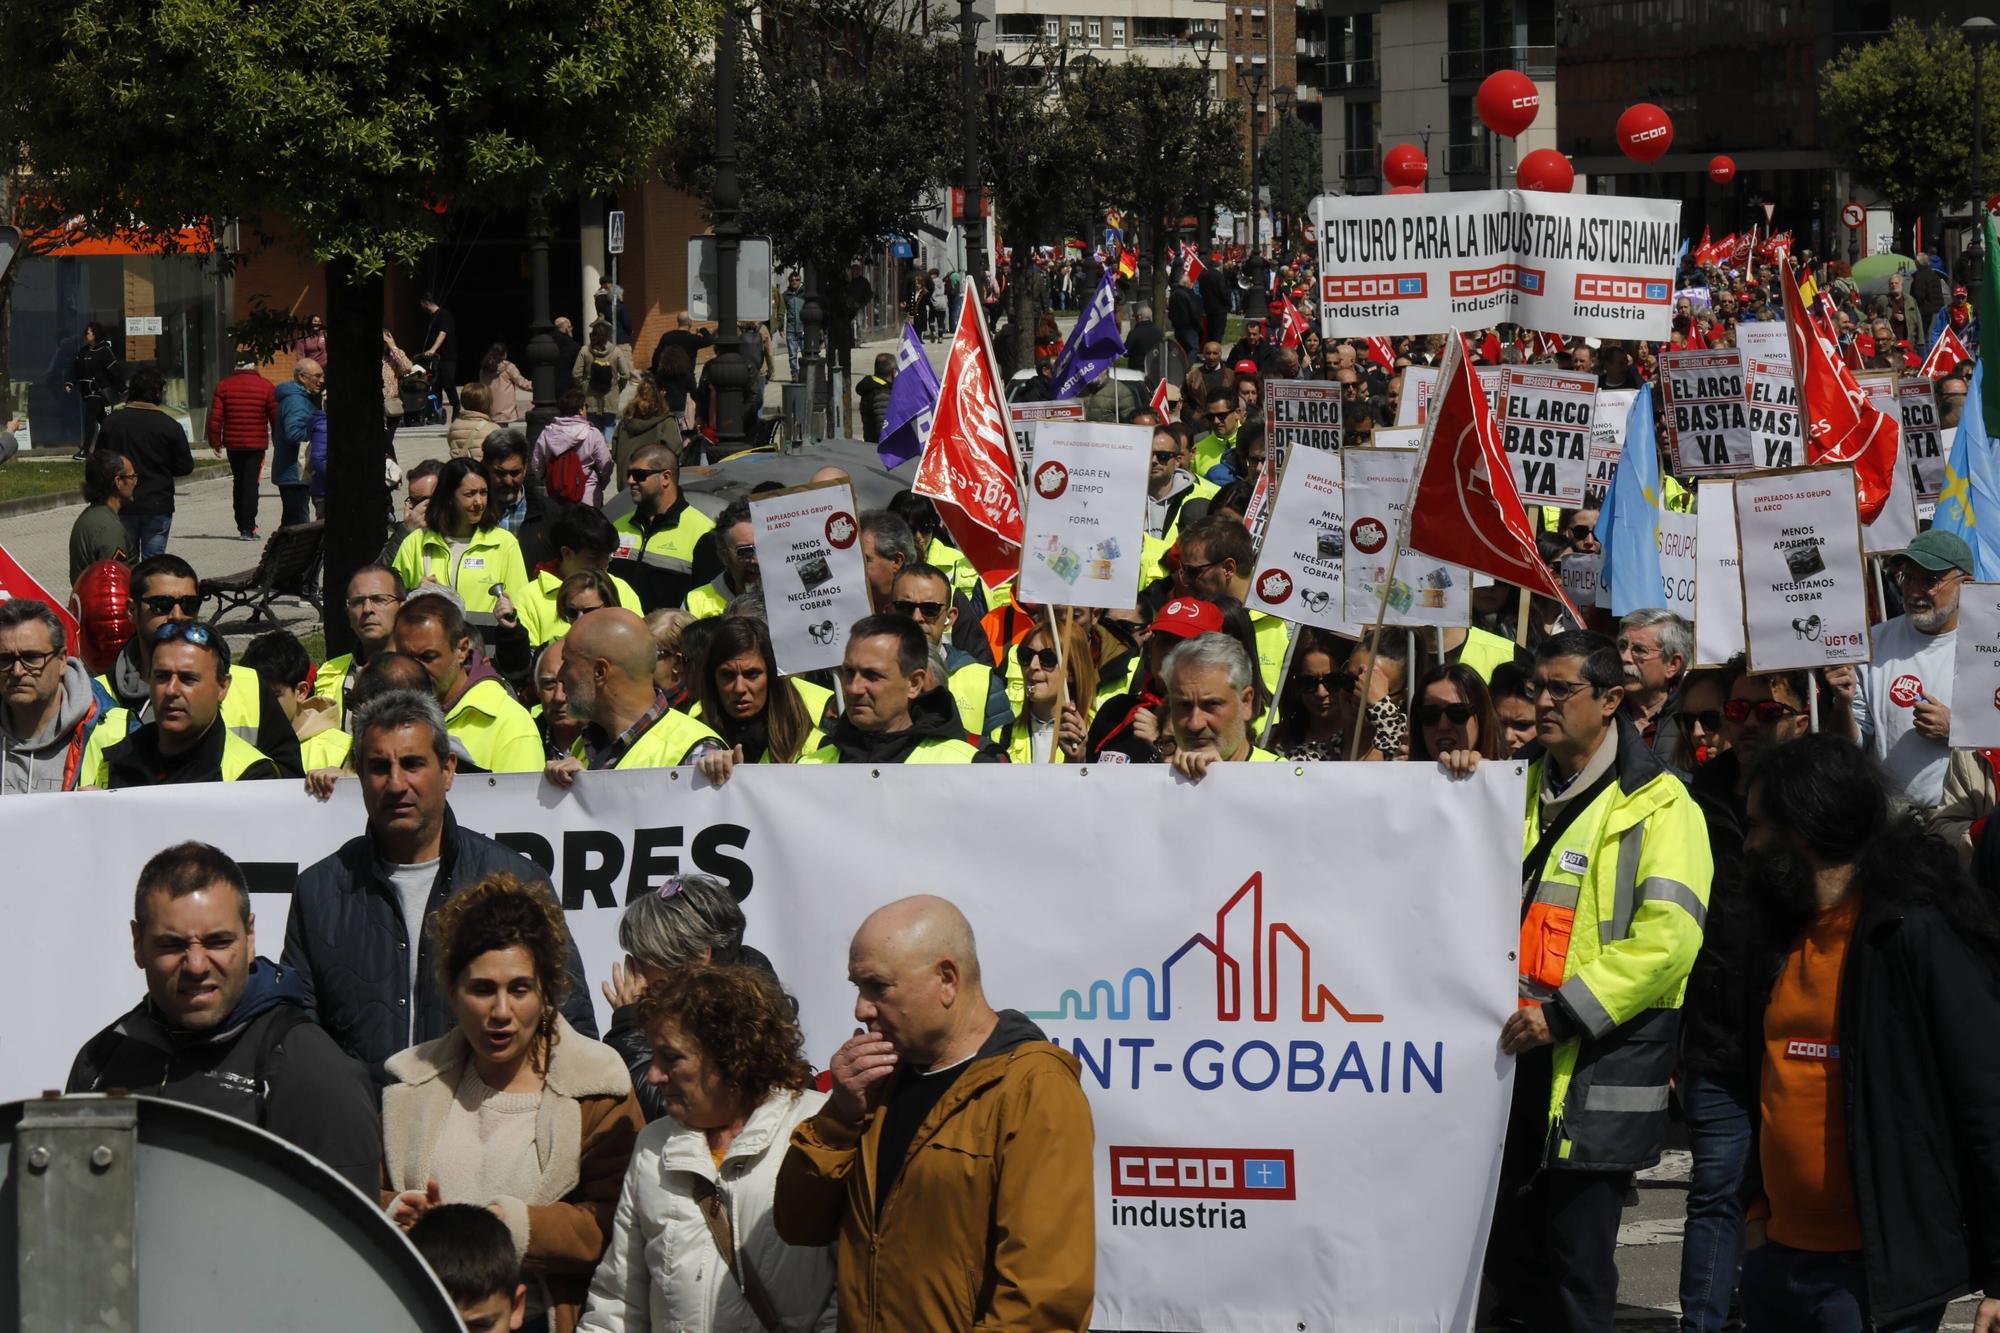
(165, 591)
(1220, 417)
(1715, 1093)
(1900, 703)
(1615, 884)
(187, 739)
(48, 703)
(1174, 495)
(736, 548)
(661, 543)
(923, 593)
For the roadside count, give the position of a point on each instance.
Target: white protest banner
(1895, 527)
(1718, 586)
(1300, 567)
(1299, 412)
(1707, 420)
(1023, 416)
(1678, 538)
(1243, 1020)
(1582, 576)
(815, 585)
(1924, 447)
(1419, 382)
(1397, 437)
(1774, 413)
(1086, 515)
(1975, 665)
(1767, 341)
(1591, 265)
(1607, 439)
(1805, 595)
(1424, 591)
(1545, 423)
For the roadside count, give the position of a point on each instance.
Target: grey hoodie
(37, 763)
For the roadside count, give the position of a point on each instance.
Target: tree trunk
(357, 493)
(7, 184)
(1024, 306)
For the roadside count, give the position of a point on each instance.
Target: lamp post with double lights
(1256, 304)
(1203, 41)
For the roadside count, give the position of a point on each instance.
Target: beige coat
(584, 1133)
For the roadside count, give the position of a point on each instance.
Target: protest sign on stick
(1718, 585)
(1299, 412)
(1545, 424)
(1707, 418)
(1086, 515)
(1024, 417)
(1895, 524)
(1774, 412)
(1805, 594)
(1301, 565)
(1679, 538)
(808, 543)
(1607, 440)
(1420, 382)
(1975, 689)
(1923, 442)
(1385, 584)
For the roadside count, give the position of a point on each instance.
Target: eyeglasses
(1561, 691)
(1429, 715)
(188, 631)
(1910, 572)
(919, 610)
(1768, 711)
(1708, 719)
(164, 606)
(1333, 682)
(746, 552)
(32, 660)
(372, 599)
(1046, 658)
(642, 473)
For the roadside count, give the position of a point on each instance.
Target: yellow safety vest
(537, 608)
(970, 686)
(1209, 450)
(1483, 651)
(665, 744)
(1273, 637)
(932, 750)
(325, 749)
(491, 557)
(952, 562)
(497, 732)
(670, 550)
(116, 724)
(330, 682)
(711, 599)
(242, 707)
(815, 699)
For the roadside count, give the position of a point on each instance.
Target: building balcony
(1537, 62)
(1339, 74)
(1359, 169)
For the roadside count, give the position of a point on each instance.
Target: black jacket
(136, 761)
(345, 938)
(1712, 1029)
(158, 448)
(267, 1063)
(1918, 1010)
(1140, 342)
(94, 371)
(1184, 313)
(128, 685)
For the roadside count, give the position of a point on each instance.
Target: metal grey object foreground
(120, 1214)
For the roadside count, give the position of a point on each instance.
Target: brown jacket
(990, 1223)
(583, 1137)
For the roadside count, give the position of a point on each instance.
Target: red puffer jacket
(242, 411)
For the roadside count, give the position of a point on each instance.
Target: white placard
(1708, 421)
(1591, 265)
(1774, 413)
(1299, 412)
(1023, 416)
(1925, 449)
(1718, 584)
(1301, 566)
(144, 326)
(1679, 539)
(1766, 341)
(1895, 527)
(1420, 382)
(1607, 439)
(1583, 578)
(1975, 668)
(1545, 424)
(1424, 591)
(1805, 594)
(808, 543)
(1086, 515)
(753, 278)
(1229, 1002)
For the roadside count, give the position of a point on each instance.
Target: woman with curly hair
(513, 1110)
(694, 1245)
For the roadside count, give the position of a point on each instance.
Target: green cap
(1938, 551)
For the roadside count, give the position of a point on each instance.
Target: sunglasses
(1047, 658)
(1580, 533)
(1767, 710)
(1164, 456)
(642, 473)
(163, 606)
(1708, 719)
(1333, 682)
(188, 631)
(919, 610)
(746, 553)
(1429, 715)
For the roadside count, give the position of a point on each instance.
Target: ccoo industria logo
(1238, 1004)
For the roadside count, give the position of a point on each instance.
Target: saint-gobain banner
(1292, 1058)
(1584, 266)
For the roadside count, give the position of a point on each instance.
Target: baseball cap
(1938, 551)
(1958, 291)
(1186, 617)
(1245, 367)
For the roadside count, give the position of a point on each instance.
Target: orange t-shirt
(1804, 1143)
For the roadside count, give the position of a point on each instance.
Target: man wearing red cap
(1132, 728)
(1254, 348)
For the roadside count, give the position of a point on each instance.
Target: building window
(1052, 28)
(1118, 32)
(1097, 32)
(1076, 30)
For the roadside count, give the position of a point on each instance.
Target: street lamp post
(1203, 41)
(730, 373)
(1256, 305)
(541, 331)
(971, 201)
(1978, 32)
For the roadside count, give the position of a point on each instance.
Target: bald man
(607, 683)
(956, 1144)
(829, 473)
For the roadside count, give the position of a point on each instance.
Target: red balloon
(1722, 170)
(1644, 132)
(1405, 164)
(101, 601)
(1406, 189)
(1508, 102)
(1545, 169)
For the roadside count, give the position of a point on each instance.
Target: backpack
(564, 477)
(601, 372)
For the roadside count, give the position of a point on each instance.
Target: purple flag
(1094, 345)
(912, 397)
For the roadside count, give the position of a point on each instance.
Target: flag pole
(1521, 617)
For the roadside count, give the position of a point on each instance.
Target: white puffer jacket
(662, 1272)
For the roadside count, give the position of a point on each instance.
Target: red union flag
(1162, 406)
(1841, 424)
(18, 582)
(1463, 506)
(1381, 353)
(1548, 344)
(968, 468)
(1704, 254)
(1292, 325)
(1947, 355)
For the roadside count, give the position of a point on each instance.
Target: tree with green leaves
(1898, 113)
(352, 127)
(1289, 164)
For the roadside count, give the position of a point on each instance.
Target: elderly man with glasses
(1900, 703)
(48, 702)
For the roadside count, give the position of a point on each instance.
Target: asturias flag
(1094, 345)
(1628, 520)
